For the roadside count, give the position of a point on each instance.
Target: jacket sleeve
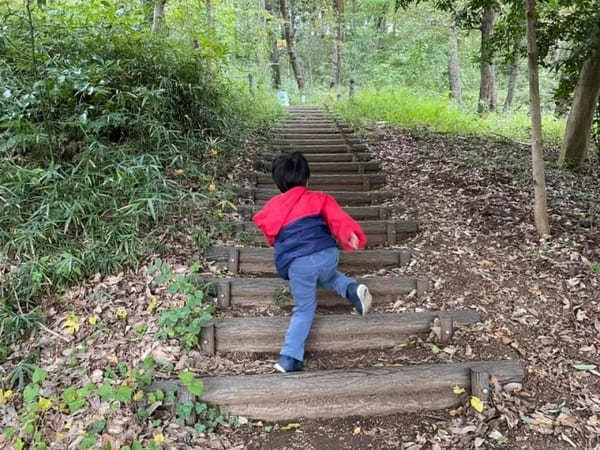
(260, 219)
(341, 224)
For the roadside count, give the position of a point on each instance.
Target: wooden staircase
(341, 166)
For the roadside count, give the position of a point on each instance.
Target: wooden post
(422, 287)
(366, 183)
(185, 396)
(447, 329)
(480, 384)
(234, 260)
(207, 338)
(391, 232)
(224, 299)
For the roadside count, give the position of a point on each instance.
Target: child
(300, 224)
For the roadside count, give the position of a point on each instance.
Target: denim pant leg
(329, 277)
(303, 275)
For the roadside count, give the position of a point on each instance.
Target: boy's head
(290, 171)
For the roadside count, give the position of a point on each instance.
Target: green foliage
(101, 129)
(282, 296)
(183, 322)
(405, 108)
(596, 269)
(195, 386)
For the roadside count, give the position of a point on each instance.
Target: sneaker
(288, 364)
(360, 297)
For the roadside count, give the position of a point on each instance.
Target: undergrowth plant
(121, 387)
(104, 130)
(408, 108)
(183, 322)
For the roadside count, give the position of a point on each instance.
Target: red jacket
(299, 202)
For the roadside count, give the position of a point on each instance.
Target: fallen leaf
(476, 404)
(44, 403)
(496, 435)
(566, 420)
(290, 426)
(584, 367)
(458, 390)
(152, 305)
(121, 314)
(71, 323)
(356, 431)
(93, 320)
(159, 438)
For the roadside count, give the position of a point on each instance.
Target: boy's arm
(343, 227)
(260, 219)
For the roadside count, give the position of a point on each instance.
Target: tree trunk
(537, 155)
(272, 37)
(381, 28)
(512, 84)
(158, 17)
(291, 47)
(275, 66)
(453, 66)
(209, 18)
(487, 87)
(337, 45)
(581, 116)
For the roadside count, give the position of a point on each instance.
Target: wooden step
(308, 113)
(325, 182)
(308, 135)
(305, 108)
(356, 212)
(323, 157)
(337, 167)
(312, 130)
(308, 149)
(344, 198)
(324, 148)
(251, 292)
(329, 333)
(260, 260)
(378, 232)
(338, 139)
(346, 167)
(320, 148)
(306, 122)
(327, 394)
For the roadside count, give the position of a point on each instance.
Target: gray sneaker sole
(365, 298)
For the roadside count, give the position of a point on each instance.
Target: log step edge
(348, 392)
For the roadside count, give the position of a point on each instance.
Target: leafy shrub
(404, 107)
(97, 128)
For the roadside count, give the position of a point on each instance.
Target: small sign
(283, 98)
(281, 44)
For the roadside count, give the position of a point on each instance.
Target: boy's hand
(353, 241)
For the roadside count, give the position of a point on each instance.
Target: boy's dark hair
(290, 171)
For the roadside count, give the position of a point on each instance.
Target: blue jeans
(305, 273)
